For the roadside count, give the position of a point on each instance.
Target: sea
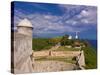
(93, 43)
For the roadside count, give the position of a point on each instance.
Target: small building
(70, 37)
(77, 44)
(68, 46)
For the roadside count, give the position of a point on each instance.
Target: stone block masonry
(56, 53)
(21, 61)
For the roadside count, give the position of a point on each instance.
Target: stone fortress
(22, 55)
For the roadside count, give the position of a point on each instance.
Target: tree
(66, 41)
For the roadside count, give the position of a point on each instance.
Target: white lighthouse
(76, 36)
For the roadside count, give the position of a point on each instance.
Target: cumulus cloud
(85, 14)
(75, 18)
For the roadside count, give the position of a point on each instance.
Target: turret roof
(25, 23)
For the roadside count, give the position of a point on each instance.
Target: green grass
(64, 59)
(40, 44)
(90, 58)
(63, 48)
(46, 43)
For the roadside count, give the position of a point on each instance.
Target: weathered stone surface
(25, 27)
(22, 48)
(56, 53)
(81, 59)
(52, 66)
(22, 52)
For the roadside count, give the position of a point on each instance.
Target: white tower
(76, 36)
(70, 37)
(25, 27)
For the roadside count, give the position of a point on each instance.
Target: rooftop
(25, 23)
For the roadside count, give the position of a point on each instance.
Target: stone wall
(21, 52)
(25, 30)
(56, 53)
(81, 60)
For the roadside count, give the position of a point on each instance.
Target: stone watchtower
(22, 48)
(25, 27)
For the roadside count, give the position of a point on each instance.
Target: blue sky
(51, 20)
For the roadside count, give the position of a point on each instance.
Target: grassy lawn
(39, 44)
(64, 59)
(63, 48)
(90, 58)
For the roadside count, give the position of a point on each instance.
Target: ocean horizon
(93, 43)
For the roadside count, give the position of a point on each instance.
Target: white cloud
(46, 23)
(47, 17)
(72, 22)
(84, 13)
(88, 15)
(85, 21)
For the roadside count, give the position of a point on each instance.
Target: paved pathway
(52, 66)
